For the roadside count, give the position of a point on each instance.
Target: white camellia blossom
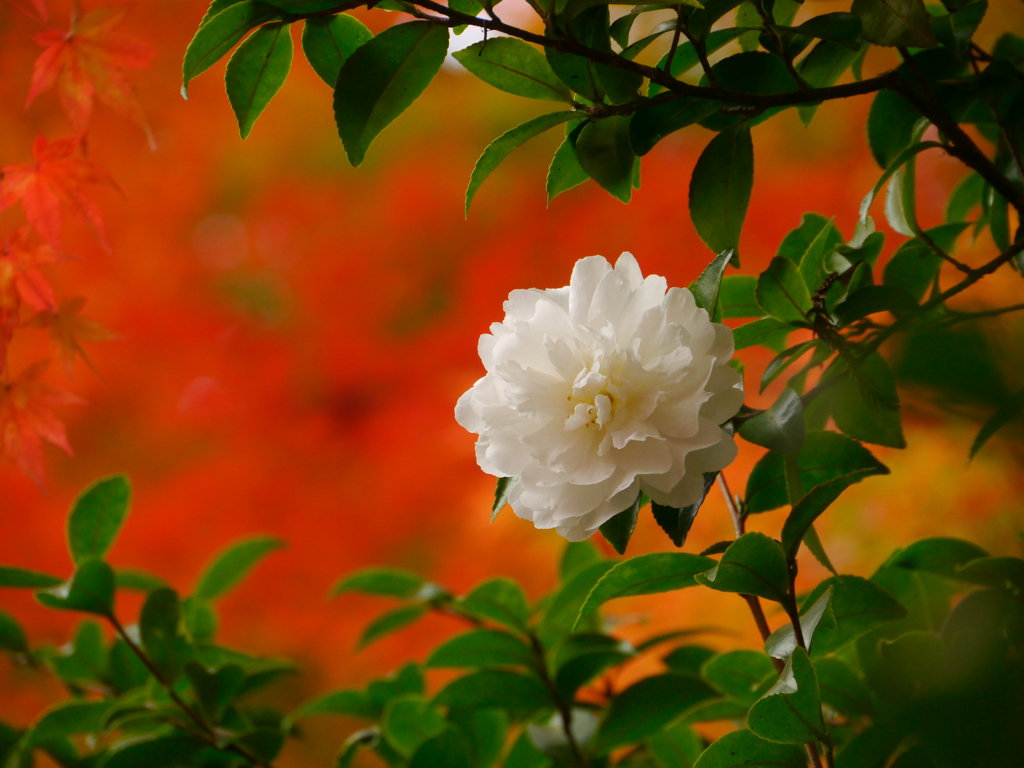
(597, 391)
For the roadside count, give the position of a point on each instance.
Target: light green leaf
(256, 71)
(565, 171)
(737, 296)
(409, 721)
(96, 518)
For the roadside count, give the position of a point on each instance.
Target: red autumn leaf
(27, 418)
(55, 175)
(68, 329)
(21, 280)
(86, 62)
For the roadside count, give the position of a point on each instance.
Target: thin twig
(564, 709)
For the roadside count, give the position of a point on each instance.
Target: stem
(564, 710)
(206, 731)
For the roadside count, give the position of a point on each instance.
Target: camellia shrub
(619, 393)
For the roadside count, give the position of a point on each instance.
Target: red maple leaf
(56, 174)
(27, 418)
(21, 281)
(68, 329)
(86, 62)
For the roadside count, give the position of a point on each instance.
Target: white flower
(598, 391)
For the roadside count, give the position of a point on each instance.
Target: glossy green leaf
(618, 530)
(90, 590)
(706, 287)
(1006, 412)
(754, 564)
(754, 72)
(387, 582)
(720, 188)
(481, 648)
(767, 332)
(676, 521)
(329, 41)
(21, 578)
(382, 78)
(895, 23)
(825, 456)
(857, 605)
(782, 642)
(232, 565)
(790, 712)
(159, 630)
(390, 622)
(781, 427)
(739, 674)
(501, 600)
(811, 507)
(219, 33)
(96, 518)
(502, 146)
(866, 405)
(256, 71)
(650, 574)
(646, 707)
(782, 292)
(815, 264)
(743, 748)
(604, 153)
(797, 241)
(518, 694)
(511, 65)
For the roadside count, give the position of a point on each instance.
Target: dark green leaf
(215, 689)
(767, 332)
(12, 636)
(686, 57)
(941, 556)
(20, 578)
(875, 298)
(1003, 415)
(891, 122)
(303, 6)
(390, 622)
(481, 648)
(90, 589)
(501, 600)
(96, 517)
(618, 530)
(157, 751)
(676, 521)
(648, 706)
(781, 427)
(994, 572)
(525, 755)
(815, 264)
(866, 405)
(720, 188)
(577, 556)
(387, 582)
(446, 750)
(705, 288)
(895, 23)
(677, 745)
(915, 266)
(502, 146)
(743, 748)
(857, 605)
(565, 171)
(812, 505)
(70, 719)
(562, 612)
(797, 242)
(737, 296)
(520, 695)
(409, 721)
(329, 41)
(485, 732)
(841, 688)
(739, 674)
(604, 153)
(367, 738)
(137, 580)
(511, 65)
(841, 28)
(219, 33)
(232, 565)
(702, 19)
(159, 630)
(782, 642)
(645, 575)
(782, 292)
(584, 667)
(382, 78)
(956, 29)
(345, 703)
(754, 564)
(964, 198)
(199, 618)
(256, 71)
(754, 72)
(790, 712)
(688, 659)
(653, 122)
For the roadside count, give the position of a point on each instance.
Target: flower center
(596, 396)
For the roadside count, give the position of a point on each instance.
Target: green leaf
(386, 582)
(842, 28)
(756, 73)
(653, 122)
(502, 491)
(232, 565)
(645, 575)
(90, 589)
(597, 654)
(20, 578)
(706, 287)
(565, 605)
(524, 754)
(743, 748)
(215, 689)
(485, 733)
(875, 298)
(841, 688)
(382, 78)
(767, 332)
(857, 605)
(790, 712)
(520, 695)
(346, 703)
(686, 57)
(390, 622)
(687, 659)
(502, 146)
(159, 630)
(256, 71)
(577, 556)
(219, 33)
(604, 153)
(367, 738)
(754, 564)
(199, 619)
(618, 530)
(446, 750)
(815, 265)
(1003, 415)
(303, 6)
(782, 642)
(329, 41)
(781, 427)
(941, 556)
(866, 405)
(739, 674)
(676, 521)
(501, 600)
(956, 29)
(915, 266)
(96, 517)
(12, 636)
(812, 505)
(964, 198)
(137, 580)
(155, 751)
(481, 648)
(515, 67)
(994, 572)
(720, 188)
(737, 296)
(69, 719)
(782, 292)
(565, 171)
(646, 707)
(891, 122)
(409, 721)
(797, 242)
(825, 456)
(901, 23)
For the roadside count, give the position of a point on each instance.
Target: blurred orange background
(293, 335)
